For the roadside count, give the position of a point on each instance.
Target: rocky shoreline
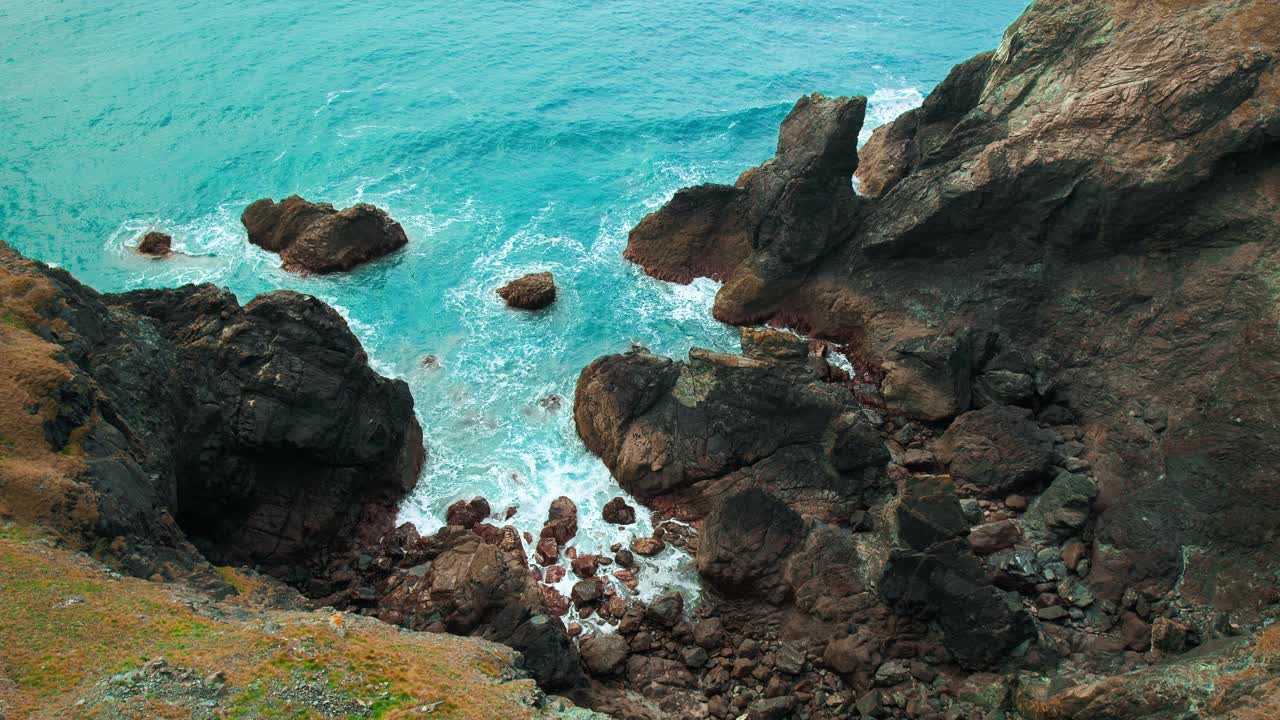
(1042, 492)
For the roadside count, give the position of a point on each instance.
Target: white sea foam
(885, 105)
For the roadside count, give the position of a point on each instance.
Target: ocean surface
(507, 137)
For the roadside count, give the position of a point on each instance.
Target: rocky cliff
(1056, 283)
(1103, 193)
(258, 434)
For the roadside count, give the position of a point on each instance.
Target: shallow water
(506, 137)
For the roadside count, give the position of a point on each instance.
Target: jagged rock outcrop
(688, 433)
(1101, 192)
(317, 238)
(258, 432)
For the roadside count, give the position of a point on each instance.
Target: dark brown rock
(618, 512)
(468, 513)
(585, 566)
(316, 238)
(156, 244)
(746, 540)
(604, 654)
(997, 449)
(993, 537)
(531, 292)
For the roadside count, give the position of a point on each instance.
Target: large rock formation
(689, 433)
(316, 238)
(1101, 192)
(258, 432)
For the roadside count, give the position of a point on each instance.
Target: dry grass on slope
(75, 640)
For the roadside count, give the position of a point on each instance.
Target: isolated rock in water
(156, 244)
(998, 448)
(316, 238)
(562, 521)
(718, 424)
(618, 512)
(531, 292)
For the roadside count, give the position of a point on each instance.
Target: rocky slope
(1057, 287)
(1101, 193)
(171, 431)
(82, 641)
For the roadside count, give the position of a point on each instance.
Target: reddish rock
(1016, 502)
(1073, 553)
(554, 574)
(557, 603)
(562, 521)
(531, 292)
(585, 566)
(627, 578)
(647, 547)
(994, 537)
(548, 551)
(467, 513)
(618, 512)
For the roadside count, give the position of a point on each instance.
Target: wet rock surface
(156, 244)
(317, 238)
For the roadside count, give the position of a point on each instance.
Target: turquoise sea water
(507, 137)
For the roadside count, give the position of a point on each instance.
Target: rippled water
(507, 137)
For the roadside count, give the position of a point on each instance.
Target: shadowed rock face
(258, 432)
(316, 238)
(1102, 191)
(690, 433)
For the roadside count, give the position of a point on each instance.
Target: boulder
(746, 540)
(997, 449)
(468, 513)
(697, 431)
(994, 537)
(1062, 509)
(156, 244)
(604, 654)
(317, 238)
(618, 512)
(530, 292)
(666, 610)
(933, 575)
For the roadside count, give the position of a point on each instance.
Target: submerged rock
(531, 292)
(317, 238)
